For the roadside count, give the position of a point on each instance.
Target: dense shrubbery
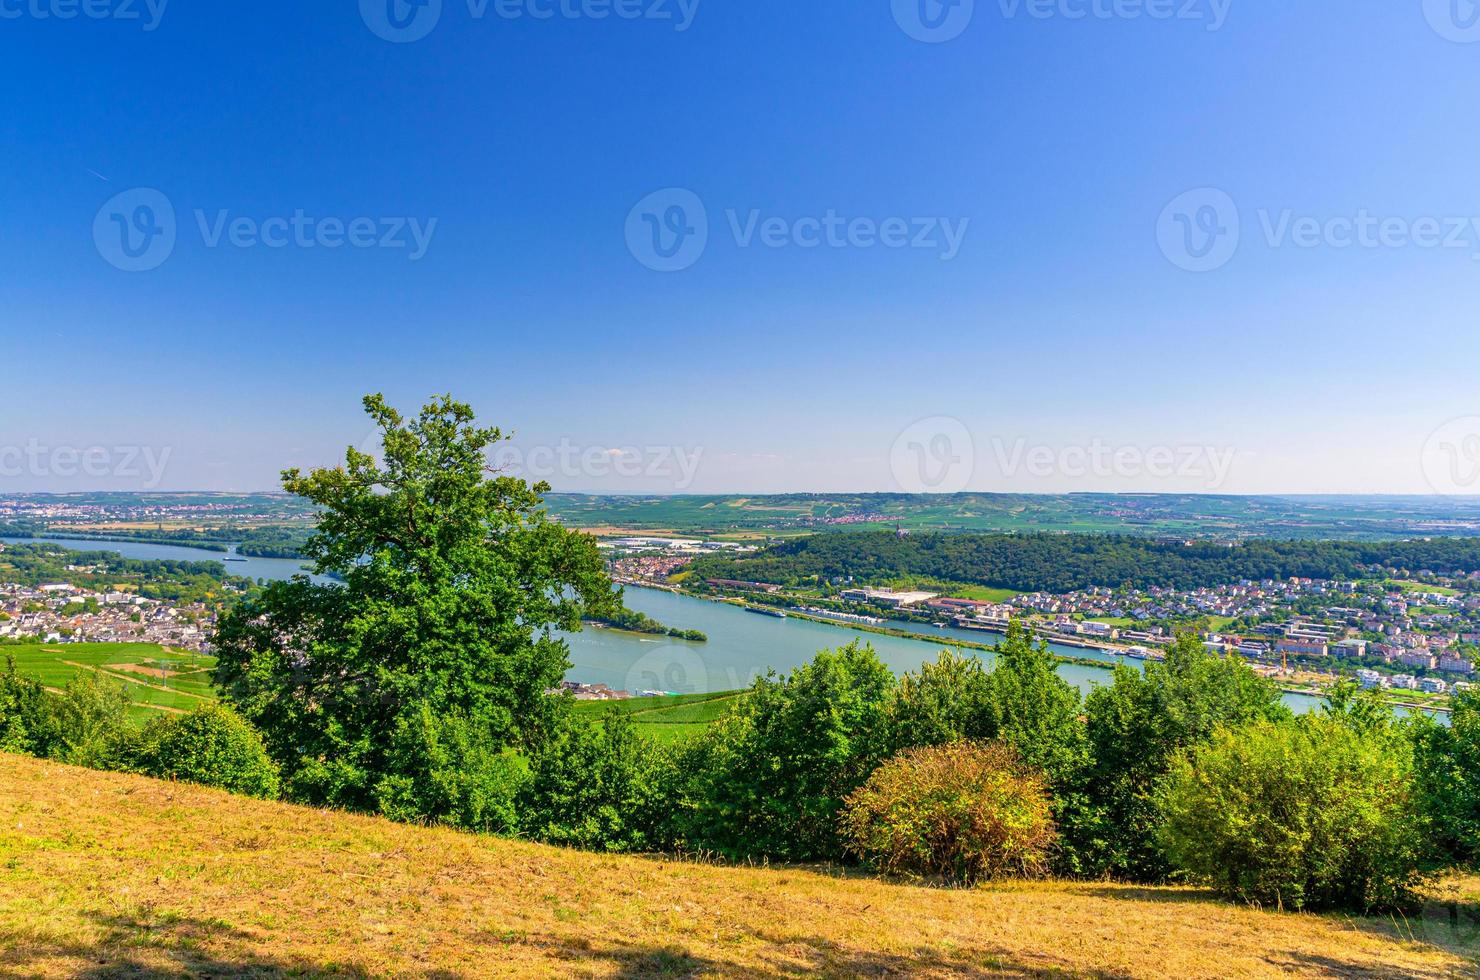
(212, 746)
(769, 780)
(1022, 702)
(447, 769)
(1310, 814)
(23, 713)
(1136, 726)
(1447, 768)
(965, 812)
(600, 787)
(88, 725)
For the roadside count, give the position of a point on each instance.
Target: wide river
(272, 569)
(742, 645)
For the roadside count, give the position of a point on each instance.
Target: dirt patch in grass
(156, 672)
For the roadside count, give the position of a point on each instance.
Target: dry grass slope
(104, 875)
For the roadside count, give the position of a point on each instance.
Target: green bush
(599, 787)
(943, 702)
(965, 812)
(23, 713)
(1021, 701)
(1136, 726)
(450, 769)
(211, 745)
(87, 724)
(1447, 765)
(1309, 814)
(768, 780)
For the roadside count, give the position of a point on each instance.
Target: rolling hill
(105, 875)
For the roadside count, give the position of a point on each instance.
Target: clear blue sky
(1058, 323)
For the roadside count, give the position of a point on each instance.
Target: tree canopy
(451, 584)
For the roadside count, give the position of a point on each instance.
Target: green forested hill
(1065, 562)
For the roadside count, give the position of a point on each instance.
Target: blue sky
(1052, 143)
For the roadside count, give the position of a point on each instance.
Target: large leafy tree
(451, 583)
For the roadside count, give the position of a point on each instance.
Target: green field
(156, 680)
(1419, 587)
(669, 719)
(982, 593)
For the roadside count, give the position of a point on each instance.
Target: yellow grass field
(103, 875)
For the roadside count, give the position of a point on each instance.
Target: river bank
(268, 569)
(741, 646)
(903, 643)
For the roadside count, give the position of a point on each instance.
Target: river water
(271, 569)
(742, 645)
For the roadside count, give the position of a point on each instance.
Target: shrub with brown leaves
(965, 812)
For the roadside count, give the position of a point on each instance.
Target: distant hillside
(105, 875)
(1179, 515)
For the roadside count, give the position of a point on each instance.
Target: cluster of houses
(1371, 679)
(62, 613)
(57, 511)
(1423, 629)
(601, 692)
(1231, 601)
(1426, 628)
(641, 560)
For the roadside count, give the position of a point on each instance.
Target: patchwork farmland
(157, 679)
